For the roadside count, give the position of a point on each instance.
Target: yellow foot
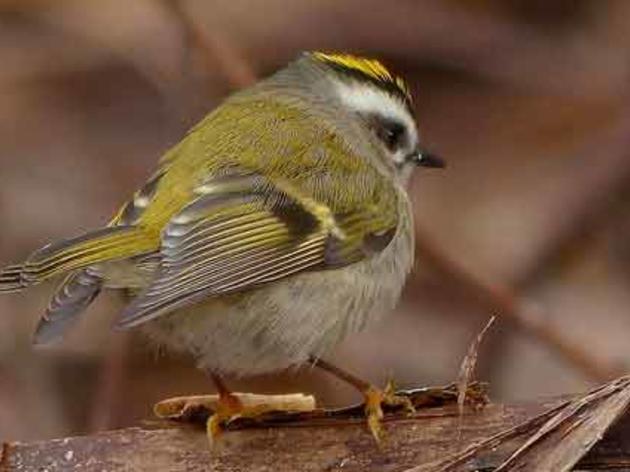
(375, 399)
(221, 410)
(229, 407)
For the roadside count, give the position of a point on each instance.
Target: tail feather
(72, 297)
(115, 242)
(77, 256)
(11, 279)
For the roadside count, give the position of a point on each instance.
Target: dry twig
(556, 440)
(468, 367)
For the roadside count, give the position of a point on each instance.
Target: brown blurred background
(526, 99)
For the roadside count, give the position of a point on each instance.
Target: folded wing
(243, 231)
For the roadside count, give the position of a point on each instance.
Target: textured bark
(430, 436)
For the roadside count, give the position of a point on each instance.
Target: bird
(279, 225)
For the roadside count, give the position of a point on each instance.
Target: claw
(229, 407)
(374, 401)
(214, 429)
(391, 399)
(373, 412)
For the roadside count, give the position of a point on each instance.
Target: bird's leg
(228, 408)
(374, 397)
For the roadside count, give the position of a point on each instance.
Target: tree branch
(412, 443)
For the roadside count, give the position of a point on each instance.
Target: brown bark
(430, 436)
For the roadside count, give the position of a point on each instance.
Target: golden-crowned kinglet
(276, 227)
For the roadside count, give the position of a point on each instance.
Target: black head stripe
(368, 71)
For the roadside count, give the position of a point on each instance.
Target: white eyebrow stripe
(368, 99)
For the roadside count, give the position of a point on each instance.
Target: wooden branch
(429, 437)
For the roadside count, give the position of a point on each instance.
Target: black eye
(392, 133)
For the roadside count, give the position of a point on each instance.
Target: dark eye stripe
(391, 132)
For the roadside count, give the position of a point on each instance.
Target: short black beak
(426, 159)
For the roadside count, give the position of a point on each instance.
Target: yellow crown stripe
(370, 67)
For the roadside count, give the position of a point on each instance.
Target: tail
(115, 242)
(11, 279)
(73, 296)
(81, 286)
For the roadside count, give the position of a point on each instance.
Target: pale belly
(282, 324)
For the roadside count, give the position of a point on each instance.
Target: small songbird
(279, 225)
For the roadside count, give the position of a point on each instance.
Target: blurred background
(526, 99)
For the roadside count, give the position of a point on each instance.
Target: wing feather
(243, 233)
